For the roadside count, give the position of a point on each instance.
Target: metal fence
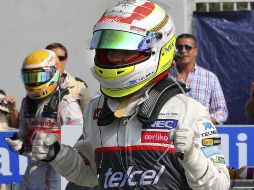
(242, 184)
(223, 5)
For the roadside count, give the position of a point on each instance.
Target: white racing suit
(41, 175)
(125, 153)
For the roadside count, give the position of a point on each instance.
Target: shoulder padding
(159, 94)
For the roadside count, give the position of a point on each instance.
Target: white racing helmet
(133, 25)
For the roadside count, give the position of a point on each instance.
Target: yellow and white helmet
(40, 73)
(138, 25)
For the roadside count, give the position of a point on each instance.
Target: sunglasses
(186, 47)
(61, 58)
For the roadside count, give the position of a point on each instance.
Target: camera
(3, 101)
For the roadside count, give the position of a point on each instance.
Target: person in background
(9, 115)
(143, 132)
(46, 108)
(203, 84)
(249, 105)
(78, 88)
(9, 118)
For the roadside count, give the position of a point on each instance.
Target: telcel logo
(120, 179)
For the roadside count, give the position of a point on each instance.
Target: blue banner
(226, 47)
(237, 144)
(12, 165)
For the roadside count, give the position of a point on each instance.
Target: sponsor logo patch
(162, 124)
(132, 177)
(155, 137)
(73, 122)
(209, 133)
(211, 151)
(208, 126)
(211, 141)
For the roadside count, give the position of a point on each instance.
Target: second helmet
(40, 73)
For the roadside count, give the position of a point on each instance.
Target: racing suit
(128, 154)
(41, 175)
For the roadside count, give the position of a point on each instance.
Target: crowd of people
(146, 130)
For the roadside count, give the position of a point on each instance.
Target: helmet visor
(113, 39)
(37, 77)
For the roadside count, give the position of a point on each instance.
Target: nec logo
(162, 124)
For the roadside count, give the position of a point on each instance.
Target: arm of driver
(200, 171)
(213, 176)
(77, 164)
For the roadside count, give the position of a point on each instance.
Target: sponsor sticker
(138, 29)
(73, 122)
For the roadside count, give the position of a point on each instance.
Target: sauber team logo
(155, 137)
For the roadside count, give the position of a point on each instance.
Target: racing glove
(15, 143)
(184, 139)
(192, 158)
(45, 146)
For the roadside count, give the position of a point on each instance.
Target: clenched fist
(45, 146)
(184, 139)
